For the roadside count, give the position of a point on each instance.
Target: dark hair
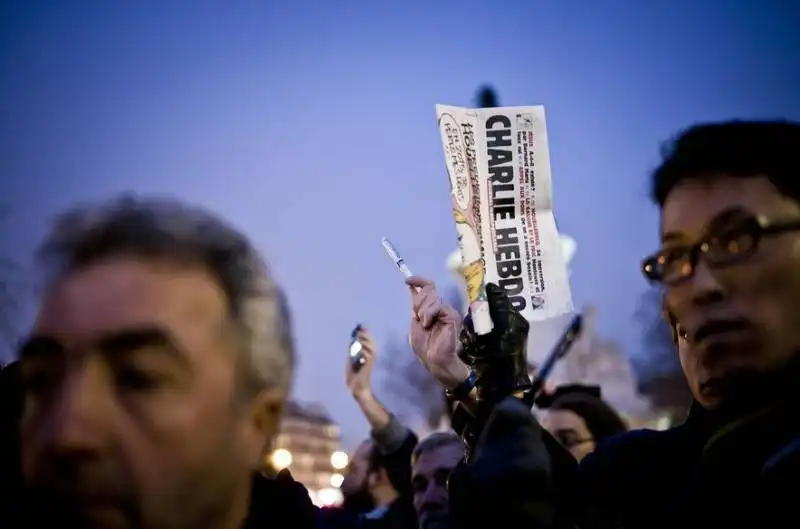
(11, 404)
(376, 460)
(733, 148)
(585, 402)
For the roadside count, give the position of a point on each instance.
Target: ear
(262, 423)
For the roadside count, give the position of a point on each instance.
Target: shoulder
(282, 498)
(630, 448)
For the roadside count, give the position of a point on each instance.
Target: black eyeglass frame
(754, 226)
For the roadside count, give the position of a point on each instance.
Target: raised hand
(434, 333)
(499, 359)
(360, 383)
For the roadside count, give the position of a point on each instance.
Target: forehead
(694, 202)
(553, 420)
(115, 294)
(442, 457)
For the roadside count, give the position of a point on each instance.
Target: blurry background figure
(579, 418)
(366, 486)
(431, 465)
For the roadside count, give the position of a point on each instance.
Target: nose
(434, 495)
(70, 417)
(704, 286)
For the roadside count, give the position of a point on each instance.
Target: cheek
(691, 366)
(168, 442)
(771, 295)
(419, 500)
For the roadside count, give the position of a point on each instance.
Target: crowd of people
(152, 382)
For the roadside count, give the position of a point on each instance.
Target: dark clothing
(11, 398)
(517, 476)
(281, 502)
(712, 471)
(709, 471)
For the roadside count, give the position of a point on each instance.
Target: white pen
(398, 261)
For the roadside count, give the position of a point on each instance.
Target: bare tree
(658, 370)
(413, 390)
(11, 292)
(10, 306)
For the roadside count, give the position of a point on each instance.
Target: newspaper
(498, 163)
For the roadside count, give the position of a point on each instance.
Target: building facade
(309, 445)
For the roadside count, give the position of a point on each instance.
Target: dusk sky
(311, 125)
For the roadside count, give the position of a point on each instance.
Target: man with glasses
(729, 266)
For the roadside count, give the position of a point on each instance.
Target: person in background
(579, 418)
(377, 485)
(366, 488)
(432, 462)
(155, 375)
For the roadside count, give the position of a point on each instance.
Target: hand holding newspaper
(499, 168)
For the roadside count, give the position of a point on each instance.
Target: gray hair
(163, 228)
(433, 442)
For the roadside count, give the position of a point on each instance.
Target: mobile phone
(357, 358)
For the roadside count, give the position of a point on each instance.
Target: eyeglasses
(731, 238)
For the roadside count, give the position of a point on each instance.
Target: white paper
(499, 167)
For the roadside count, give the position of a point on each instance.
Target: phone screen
(356, 350)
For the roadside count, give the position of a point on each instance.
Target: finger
(431, 312)
(419, 299)
(449, 314)
(419, 282)
(368, 356)
(368, 343)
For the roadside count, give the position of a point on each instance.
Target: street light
(339, 460)
(281, 458)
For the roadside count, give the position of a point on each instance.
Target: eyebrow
(113, 344)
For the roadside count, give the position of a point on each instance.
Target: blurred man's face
(569, 429)
(131, 415)
(740, 319)
(429, 475)
(355, 487)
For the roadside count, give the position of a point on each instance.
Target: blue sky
(311, 125)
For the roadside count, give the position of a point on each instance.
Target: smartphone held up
(357, 356)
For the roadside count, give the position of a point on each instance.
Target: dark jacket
(517, 476)
(711, 471)
(10, 411)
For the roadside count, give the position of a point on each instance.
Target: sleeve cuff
(390, 438)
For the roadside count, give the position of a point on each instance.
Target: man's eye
(137, 379)
(37, 381)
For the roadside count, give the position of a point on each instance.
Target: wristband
(463, 389)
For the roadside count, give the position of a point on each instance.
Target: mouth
(713, 330)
